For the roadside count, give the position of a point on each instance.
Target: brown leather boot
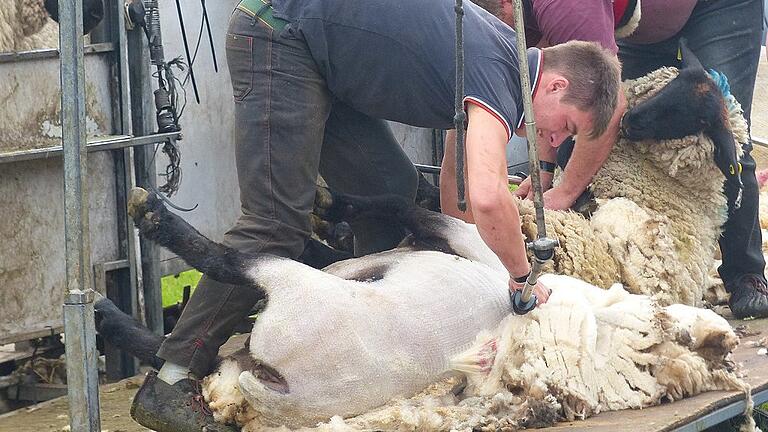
(174, 408)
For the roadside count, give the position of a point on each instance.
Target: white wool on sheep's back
(346, 346)
(599, 350)
(587, 350)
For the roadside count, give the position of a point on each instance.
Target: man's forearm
(546, 151)
(498, 222)
(587, 158)
(590, 154)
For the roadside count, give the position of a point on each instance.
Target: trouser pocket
(240, 61)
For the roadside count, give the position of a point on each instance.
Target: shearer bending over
(313, 81)
(724, 35)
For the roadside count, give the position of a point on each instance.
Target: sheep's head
(690, 104)
(93, 12)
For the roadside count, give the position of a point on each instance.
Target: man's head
(578, 91)
(501, 9)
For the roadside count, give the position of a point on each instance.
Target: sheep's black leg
(318, 255)
(429, 230)
(158, 224)
(124, 332)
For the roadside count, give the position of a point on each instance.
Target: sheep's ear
(689, 59)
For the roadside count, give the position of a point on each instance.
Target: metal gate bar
(79, 331)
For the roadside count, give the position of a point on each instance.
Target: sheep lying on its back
(369, 331)
(660, 209)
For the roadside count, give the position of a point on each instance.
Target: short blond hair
(594, 79)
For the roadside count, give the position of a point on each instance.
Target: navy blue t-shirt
(394, 59)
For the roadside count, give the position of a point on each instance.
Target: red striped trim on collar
(491, 111)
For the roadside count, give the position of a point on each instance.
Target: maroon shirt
(559, 21)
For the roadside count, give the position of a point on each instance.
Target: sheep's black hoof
(749, 297)
(137, 203)
(146, 209)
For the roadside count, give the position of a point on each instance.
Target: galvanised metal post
(79, 331)
(543, 247)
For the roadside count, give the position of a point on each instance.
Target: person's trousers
(725, 36)
(288, 128)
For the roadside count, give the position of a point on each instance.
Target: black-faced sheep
(334, 345)
(660, 205)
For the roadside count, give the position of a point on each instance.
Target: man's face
(555, 120)
(507, 13)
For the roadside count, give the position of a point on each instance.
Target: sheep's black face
(688, 105)
(93, 12)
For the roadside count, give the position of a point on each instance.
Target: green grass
(173, 285)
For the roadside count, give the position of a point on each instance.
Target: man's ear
(557, 84)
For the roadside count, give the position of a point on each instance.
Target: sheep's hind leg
(158, 224)
(429, 230)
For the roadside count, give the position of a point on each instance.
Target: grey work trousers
(725, 36)
(288, 127)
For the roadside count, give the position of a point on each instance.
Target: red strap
(619, 8)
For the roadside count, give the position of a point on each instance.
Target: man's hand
(540, 290)
(558, 199)
(525, 189)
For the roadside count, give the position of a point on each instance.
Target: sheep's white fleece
(660, 210)
(25, 25)
(587, 350)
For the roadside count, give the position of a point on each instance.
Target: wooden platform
(116, 400)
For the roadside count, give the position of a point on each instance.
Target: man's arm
(493, 208)
(448, 187)
(546, 153)
(587, 158)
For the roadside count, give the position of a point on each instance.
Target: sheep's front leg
(158, 224)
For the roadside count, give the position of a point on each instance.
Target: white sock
(172, 373)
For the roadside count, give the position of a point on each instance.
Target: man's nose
(558, 137)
